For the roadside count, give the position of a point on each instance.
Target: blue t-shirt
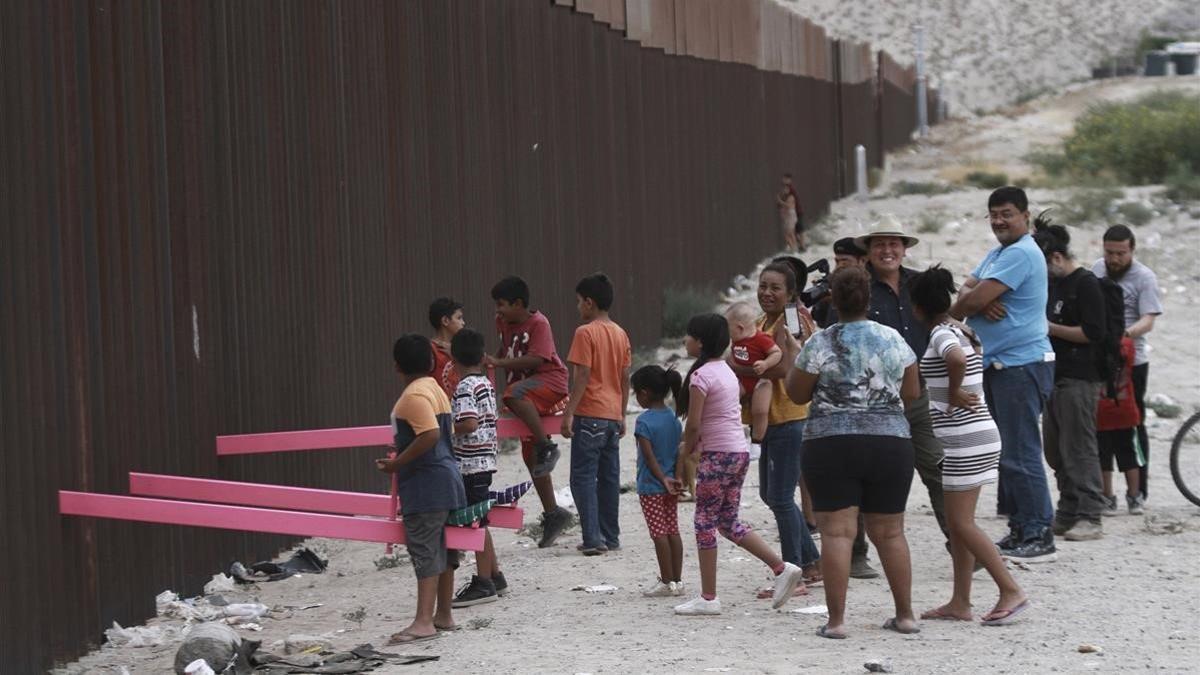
(859, 368)
(1021, 337)
(661, 427)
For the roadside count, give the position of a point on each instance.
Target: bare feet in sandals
(948, 613)
(403, 638)
(1000, 616)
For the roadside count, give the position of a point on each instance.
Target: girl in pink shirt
(710, 403)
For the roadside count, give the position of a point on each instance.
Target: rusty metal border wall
(219, 215)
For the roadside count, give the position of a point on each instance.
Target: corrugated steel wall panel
(220, 216)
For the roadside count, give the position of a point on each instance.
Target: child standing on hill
(658, 432)
(428, 483)
(536, 386)
(709, 400)
(753, 348)
(953, 368)
(474, 409)
(594, 420)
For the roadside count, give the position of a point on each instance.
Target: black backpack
(1108, 353)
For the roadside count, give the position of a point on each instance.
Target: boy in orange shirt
(594, 420)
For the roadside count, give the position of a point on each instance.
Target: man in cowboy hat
(886, 245)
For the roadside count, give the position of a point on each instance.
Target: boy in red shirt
(1116, 435)
(536, 386)
(754, 348)
(446, 317)
(594, 420)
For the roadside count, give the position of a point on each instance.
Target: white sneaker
(677, 588)
(660, 590)
(786, 582)
(698, 606)
(755, 451)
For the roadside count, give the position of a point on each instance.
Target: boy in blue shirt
(428, 484)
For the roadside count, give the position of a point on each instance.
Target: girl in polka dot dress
(658, 433)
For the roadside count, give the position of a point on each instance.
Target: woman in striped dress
(953, 371)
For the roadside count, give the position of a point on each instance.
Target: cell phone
(793, 320)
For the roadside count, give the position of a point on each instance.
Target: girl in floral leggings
(710, 403)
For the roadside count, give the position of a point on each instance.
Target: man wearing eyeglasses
(1004, 301)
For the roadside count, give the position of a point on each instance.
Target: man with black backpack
(1078, 327)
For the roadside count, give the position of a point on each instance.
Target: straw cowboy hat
(887, 226)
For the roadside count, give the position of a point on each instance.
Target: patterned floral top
(860, 366)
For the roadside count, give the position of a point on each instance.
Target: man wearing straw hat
(886, 245)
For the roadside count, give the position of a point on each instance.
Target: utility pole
(922, 111)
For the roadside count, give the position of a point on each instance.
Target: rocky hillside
(986, 53)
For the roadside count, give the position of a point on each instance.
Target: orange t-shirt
(603, 347)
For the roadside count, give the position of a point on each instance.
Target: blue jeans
(1016, 397)
(596, 479)
(778, 475)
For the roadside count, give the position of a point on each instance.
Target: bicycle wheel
(1185, 459)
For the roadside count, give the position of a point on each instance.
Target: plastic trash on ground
(220, 584)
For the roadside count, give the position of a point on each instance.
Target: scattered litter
(164, 599)
(1164, 406)
(144, 636)
(295, 644)
(479, 622)
(564, 498)
(218, 646)
(1090, 649)
(361, 659)
(198, 667)
(598, 588)
(1159, 523)
(244, 612)
(812, 609)
(303, 560)
(250, 626)
(878, 666)
(393, 561)
(220, 584)
(304, 607)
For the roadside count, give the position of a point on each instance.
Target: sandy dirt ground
(1132, 594)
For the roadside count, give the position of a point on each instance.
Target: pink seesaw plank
(349, 437)
(285, 497)
(248, 519)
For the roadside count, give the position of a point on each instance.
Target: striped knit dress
(969, 437)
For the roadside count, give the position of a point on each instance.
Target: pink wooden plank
(349, 437)
(286, 497)
(248, 519)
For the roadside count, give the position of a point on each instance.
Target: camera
(820, 288)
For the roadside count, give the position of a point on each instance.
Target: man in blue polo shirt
(1004, 301)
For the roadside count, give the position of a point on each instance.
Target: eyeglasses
(1006, 216)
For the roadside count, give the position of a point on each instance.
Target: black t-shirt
(1076, 300)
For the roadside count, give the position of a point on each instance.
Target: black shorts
(1118, 444)
(873, 473)
(477, 486)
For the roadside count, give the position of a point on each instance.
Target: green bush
(907, 187)
(1135, 213)
(1183, 185)
(987, 180)
(1140, 142)
(1087, 206)
(931, 222)
(682, 303)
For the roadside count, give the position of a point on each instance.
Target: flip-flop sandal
(893, 625)
(409, 638)
(1009, 615)
(938, 614)
(824, 632)
(768, 593)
